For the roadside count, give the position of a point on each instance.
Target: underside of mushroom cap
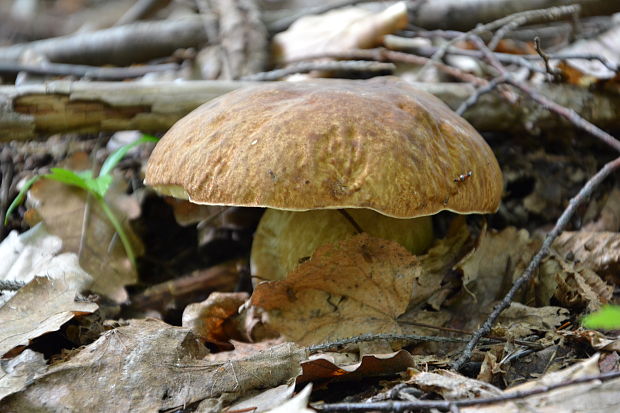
(378, 144)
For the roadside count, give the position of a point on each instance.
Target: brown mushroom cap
(379, 144)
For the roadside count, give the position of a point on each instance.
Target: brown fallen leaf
(370, 365)
(598, 251)
(43, 305)
(338, 31)
(16, 373)
(101, 253)
(572, 286)
(148, 365)
(359, 285)
(452, 385)
(211, 320)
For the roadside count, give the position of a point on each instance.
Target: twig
(391, 337)
(522, 17)
(90, 72)
(399, 406)
(561, 223)
(341, 66)
(473, 98)
(382, 54)
(10, 285)
(545, 58)
(519, 19)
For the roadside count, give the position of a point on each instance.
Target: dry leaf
(359, 285)
(17, 372)
(592, 396)
(338, 31)
(43, 305)
(571, 286)
(599, 251)
(489, 269)
(265, 400)
(298, 404)
(148, 365)
(371, 365)
(211, 319)
(451, 385)
(521, 320)
(102, 255)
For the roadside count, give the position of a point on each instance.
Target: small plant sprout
(607, 318)
(96, 186)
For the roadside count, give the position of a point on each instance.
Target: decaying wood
(87, 107)
(124, 45)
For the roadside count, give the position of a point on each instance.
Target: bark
(466, 14)
(119, 46)
(27, 112)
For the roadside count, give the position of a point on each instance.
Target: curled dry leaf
(370, 365)
(521, 320)
(43, 305)
(359, 285)
(571, 285)
(338, 31)
(211, 320)
(16, 373)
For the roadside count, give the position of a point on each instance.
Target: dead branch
(90, 107)
(466, 14)
(121, 46)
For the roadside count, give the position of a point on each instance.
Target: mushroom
(328, 157)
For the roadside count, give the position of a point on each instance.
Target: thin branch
(561, 223)
(10, 285)
(473, 99)
(400, 406)
(340, 66)
(392, 337)
(522, 17)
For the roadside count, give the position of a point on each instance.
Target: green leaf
(101, 184)
(607, 318)
(20, 197)
(116, 156)
(69, 177)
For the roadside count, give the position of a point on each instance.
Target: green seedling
(607, 318)
(96, 186)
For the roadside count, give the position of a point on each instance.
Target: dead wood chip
(357, 286)
(587, 397)
(148, 365)
(599, 251)
(211, 320)
(371, 365)
(451, 385)
(338, 31)
(43, 305)
(62, 208)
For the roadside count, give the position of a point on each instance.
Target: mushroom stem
(351, 220)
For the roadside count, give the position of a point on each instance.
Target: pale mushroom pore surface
(283, 239)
